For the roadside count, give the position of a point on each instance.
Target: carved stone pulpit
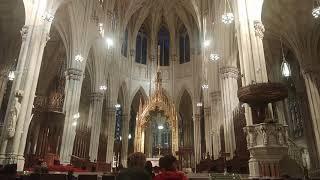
(267, 140)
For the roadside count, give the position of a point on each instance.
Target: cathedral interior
(226, 86)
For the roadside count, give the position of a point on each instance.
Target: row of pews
(59, 177)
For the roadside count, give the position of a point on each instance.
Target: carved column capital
(310, 70)
(259, 28)
(229, 72)
(207, 111)
(96, 96)
(196, 117)
(215, 96)
(74, 74)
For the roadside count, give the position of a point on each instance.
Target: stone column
(250, 32)
(217, 121)
(18, 115)
(74, 78)
(125, 139)
(110, 133)
(230, 101)
(311, 78)
(95, 113)
(197, 138)
(208, 130)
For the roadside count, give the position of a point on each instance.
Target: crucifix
(224, 155)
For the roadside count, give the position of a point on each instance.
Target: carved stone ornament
(14, 114)
(96, 96)
(259, 29)
(266, 134)
(229, 72)
(74, 74)
(24, 32)
(158, 101)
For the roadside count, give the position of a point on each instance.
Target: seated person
(135, 170)
(169, 169)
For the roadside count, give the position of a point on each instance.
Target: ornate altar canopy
(157, 102)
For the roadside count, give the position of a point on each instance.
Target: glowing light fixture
(205, 86)
(129, 137)
(160, 127)
(47, 17)
(74, 123)
(78, 58)
(103, 88)
(199, 104)
(11, 76)
(285, 69)
(117, 106)
(227, 17)
(76, 116)
(206, 43)
(285, 66)
(214, 57)
(109, 42)
(316, 12)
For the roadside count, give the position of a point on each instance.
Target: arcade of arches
(93, 81)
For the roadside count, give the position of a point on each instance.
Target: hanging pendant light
(11, 76)
(285, 66)
(227, 17)
(316, 10)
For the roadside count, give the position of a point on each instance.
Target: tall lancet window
(141, 47)
(124, 47)
(164, 43)
(184, 46)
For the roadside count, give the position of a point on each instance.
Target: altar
(154, 161)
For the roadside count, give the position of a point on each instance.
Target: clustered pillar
(110, 133)
(74, 78)
(208, 129)
(230, 101)
(125, 139)
(197, 138)
(95, 113)
(18, 115)
(311, 78)
(215, 132)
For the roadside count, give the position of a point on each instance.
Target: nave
(226, 86)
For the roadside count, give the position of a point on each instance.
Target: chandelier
(79, 58)
(227, 16)
(214, 57)
(316, 12)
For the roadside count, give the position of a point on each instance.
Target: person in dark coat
(135, 170)
(148, 168)
(169, 169)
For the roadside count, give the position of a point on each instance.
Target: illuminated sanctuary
(229, 87)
